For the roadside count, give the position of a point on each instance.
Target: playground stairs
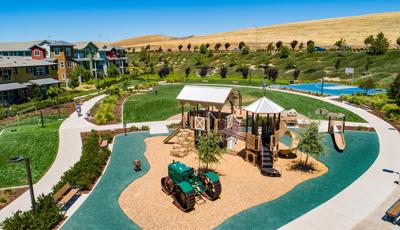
(267, 167)
(184, 143)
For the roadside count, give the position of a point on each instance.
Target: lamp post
(322, 86)
(29, 175)
(125, 128)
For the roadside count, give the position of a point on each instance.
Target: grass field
(39, 144)
(147, 107)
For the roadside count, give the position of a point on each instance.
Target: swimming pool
(329, 88)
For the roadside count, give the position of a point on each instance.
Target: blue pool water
(329, 89)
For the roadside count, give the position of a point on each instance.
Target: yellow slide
(283, 149)
(338, 137)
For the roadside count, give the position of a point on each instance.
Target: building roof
(11, 86)
(117, 58)
(206, 95)
(38, 46)
(81, 59)
(109, 48)
(60, 43)
(83, 44)
(17, 46)
(45, 81)
(264, 106)
(17, 61)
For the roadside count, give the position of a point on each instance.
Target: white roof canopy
(264, 106)
(206, 95)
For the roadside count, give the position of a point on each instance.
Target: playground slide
(171, 135)
(338, 137)
(293, 145)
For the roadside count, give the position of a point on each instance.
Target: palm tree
(180, 47)
(217, 46)
(227, 45)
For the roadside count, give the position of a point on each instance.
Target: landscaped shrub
(90, 166)
(46, 216)
(392, 111)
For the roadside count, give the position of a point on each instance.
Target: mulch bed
(15, 193)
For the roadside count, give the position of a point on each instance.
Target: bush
(392, 111)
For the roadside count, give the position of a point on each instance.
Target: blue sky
(73, 20)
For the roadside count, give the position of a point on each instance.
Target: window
(56, 51)
(63, 76)
(40, 71)
(69, 64)
(36, 53)
(62, 64)
(6, 96)
(29, 69)
(68, 51)
(54, 67)
(6, 74)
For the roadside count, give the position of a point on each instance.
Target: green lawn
(147, 107)
(39, 144)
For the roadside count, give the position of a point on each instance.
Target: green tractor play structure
(183, 183)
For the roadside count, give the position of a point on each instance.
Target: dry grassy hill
(325, 32)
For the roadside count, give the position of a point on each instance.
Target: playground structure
(336, 129)
(183, 183)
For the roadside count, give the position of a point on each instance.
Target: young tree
(241, 45)
(245, 50)
(180, 47)
(270, 47)
(311, 142)
(337, 64)
(196, 48)
(278, 44)
(244, 70)
(207, 45)
(203, 71)
(301, 46)
(217, 46)
(340, 44)
(284, 52)
(147, 48)
(310, 46)
(203, 49)
(271, 73)
(83, 72)
(293, 44)
(187, 71)
(227, 45)
(378, 45)
(296, 74)
(398, 41)
(189, 46)
(112, 71)
(164, 71)
(223, 71)
(367, 85)
(209, 150)
(394, 90)
(53, 92)
(160, 49)
(73, 81)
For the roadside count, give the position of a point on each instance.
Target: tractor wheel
(184, 201)
(167, 185)
(213, 188)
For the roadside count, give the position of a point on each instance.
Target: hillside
(325, 32)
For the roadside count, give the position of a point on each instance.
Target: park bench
(104, 144)
(394, 212)
(65, 194)
(235, 82)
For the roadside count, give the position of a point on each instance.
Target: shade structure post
(247, 121)
(183, 118)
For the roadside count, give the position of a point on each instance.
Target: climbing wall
(184, 143)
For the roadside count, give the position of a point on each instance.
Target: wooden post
(344, 124)
(247, 121)
(183, 119)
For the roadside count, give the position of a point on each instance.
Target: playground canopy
(264, 106)
(205, 95)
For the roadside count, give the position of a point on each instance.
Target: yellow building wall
(23, 76)
(65, 71)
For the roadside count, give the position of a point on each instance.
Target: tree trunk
(306, 159)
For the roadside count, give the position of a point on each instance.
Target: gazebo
(262, 145)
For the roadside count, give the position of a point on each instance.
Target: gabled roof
(83, 44)
(17, 46)
(206, 95)
(18, 61)
(38, 46)
(60, 43)
(264, 106)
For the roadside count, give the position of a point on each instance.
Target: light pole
(125, 128)
(29, 175)
(322, 86)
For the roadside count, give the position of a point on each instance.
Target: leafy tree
(209, 150)
(270, 47)
(296, 74)
(160, 49)
(227, 45)
(189, 46)
(245, 50)
(272, 73)
(278, 44)
(180, 47)
(241, 45)
(340, 44)
(53, 92)
(83, 72)
(311, 142)
(208, 45)
(244, 70)
(112, 70)
(284, 52)
(378, 45)
(187, 71)
(203, 48)
(203, 71)
(367, 85)
(394, 90)
(310, 46)
(196, 48)
(398, 41)
(217, 46)
(293, 44)
(337, 64)
(223, 71)
(146, 48)
(164, 71)
(73, 81)
(301, 46)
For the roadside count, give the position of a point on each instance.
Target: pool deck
(344, 211)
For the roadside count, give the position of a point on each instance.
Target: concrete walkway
(69, 152)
